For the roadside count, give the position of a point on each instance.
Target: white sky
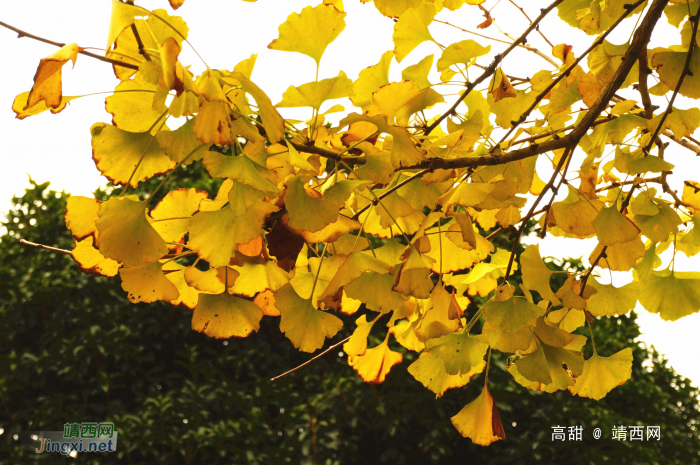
(57, 147)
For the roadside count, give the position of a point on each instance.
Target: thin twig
(384, 194)
(626, 183)
(21, 34)
(311, 360)
(528, 47)
(528, 18)
(493, 66)
(550, 185)
(45, 247)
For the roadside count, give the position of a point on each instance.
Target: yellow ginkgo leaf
(670, 64)
(479, 420)
(258, 277)
(375, 363)
(340, 191)
(506, 341)
(310, 31)
(313, 94)
(603, 374)
(389, 98)
(169, 52)
(81, 214)
(411, 29)
(151, 34)
(467, 194)
(125, 235)
(214, 235)
(461, 53)
(460, 352)
(671, 294)
(545, 364)
(512, 314)
(123, 16)
(612, 227)
(393, 8)
(425, 100)
(20, 103)
(147, 283)
(418, 73)
(213, 123)
(658, 227)
(266, 301)
(575, 214)
(47, 86)
(413, 279)
(457, 4)
(357, 344)
(272, 121)
(441, 316)
(352, 268)
(536, 274)
(206, 281)
(501, 87)
(91, 260)
(430, 372)
(342, 226)
(126, 157)
(374, 290)
(175, 273)
(223, 315)
(611, 300)
(131, 105)
(174, 211)
(371, 79)
(403, 150)
(569, 294)
(619, 257)
(182, 145)
(303, 324)
(241, 169)
(307, 213)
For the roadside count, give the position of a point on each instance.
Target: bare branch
(45, 247)
(310, 360)
(528, 18)
(21, 33)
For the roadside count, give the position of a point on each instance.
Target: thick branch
(21, 33)
(643, 87)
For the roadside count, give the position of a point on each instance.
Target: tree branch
(21, 33)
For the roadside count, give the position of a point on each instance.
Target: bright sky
(57, 147)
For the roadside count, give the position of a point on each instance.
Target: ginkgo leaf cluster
(392, 207)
